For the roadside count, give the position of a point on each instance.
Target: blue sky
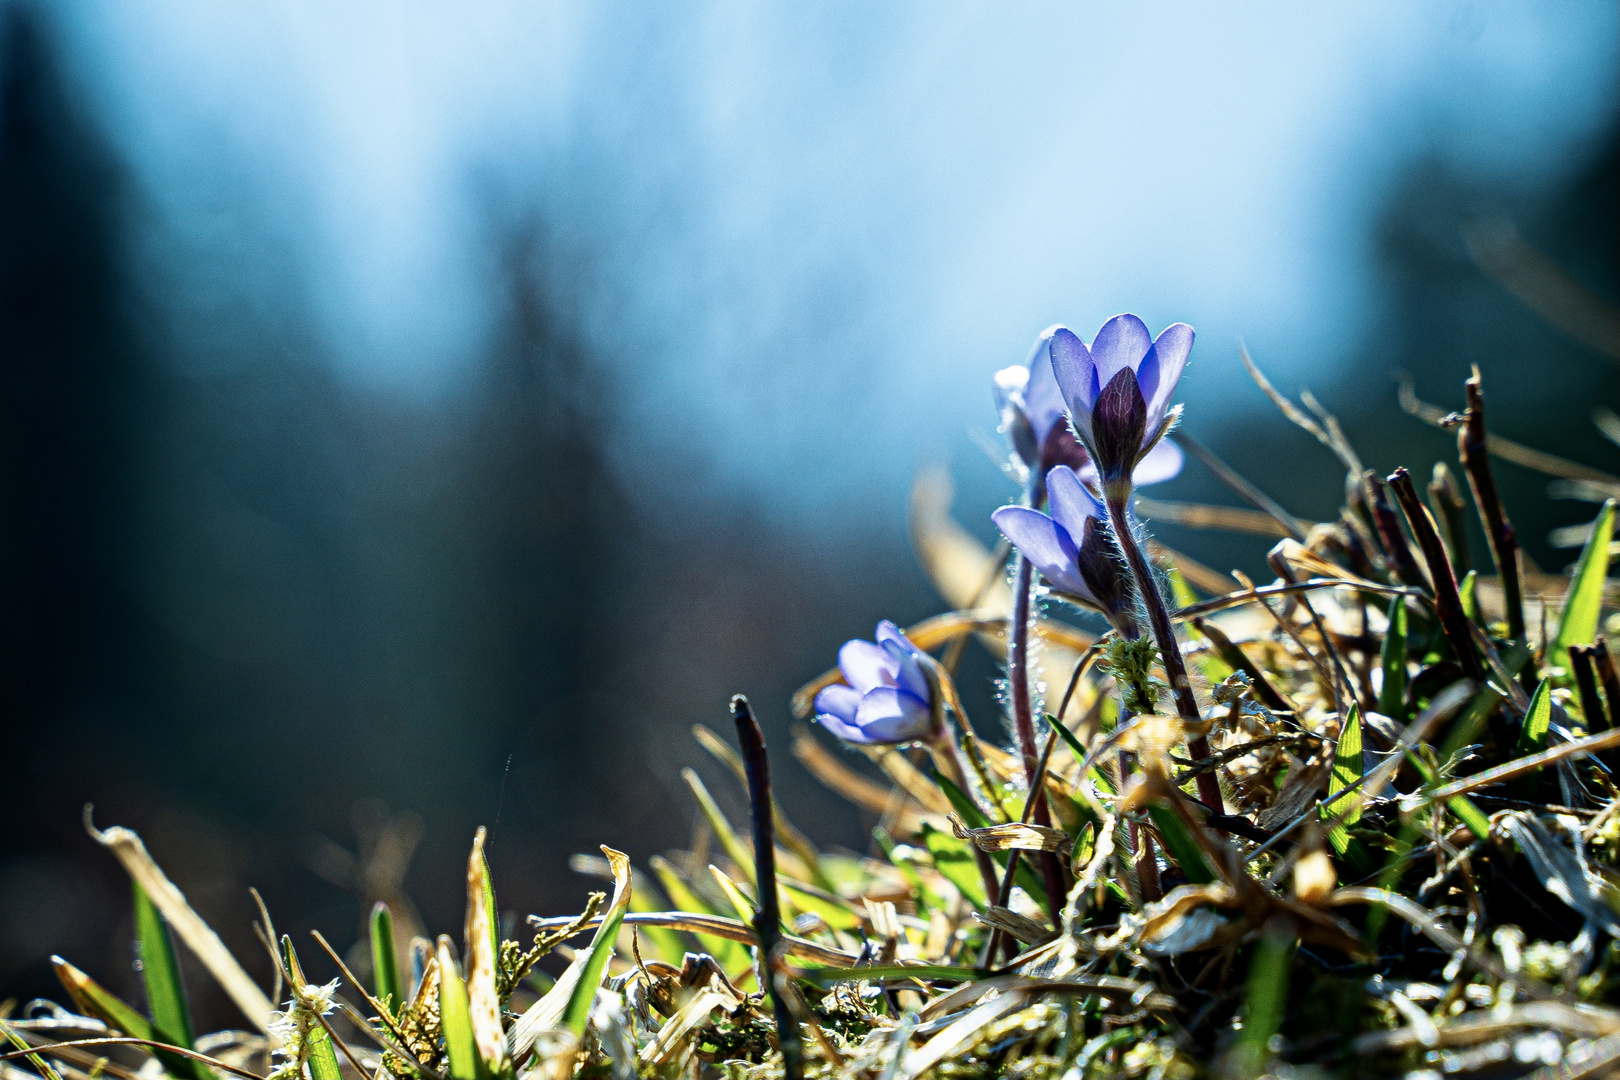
(805, 235)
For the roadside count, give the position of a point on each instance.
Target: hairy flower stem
(768, 921)
(1024, 721)
(1119, 516)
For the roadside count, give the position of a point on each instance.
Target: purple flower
(1118, 390)
(888, 699)
(1073, 549)
(1032, 407)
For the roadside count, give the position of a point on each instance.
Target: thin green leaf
(165, 993)
(385, 958)
(1180, 845)
(732, 956)
(974, 818)
(740, 904)
(1465, 729)
(661, 943)
(1583, 603)
(93, 999)
(1266, 999)
(455, 1019)
(734, 848)
(1533, 733)
(953, 859)
(583, 997)
(965, 807)
(1461, 805)
(1468, 592)
(35, 1060)
(1346, 772)
(1392, 695)
(323, 1063)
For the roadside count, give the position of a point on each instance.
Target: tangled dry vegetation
(1411, 872)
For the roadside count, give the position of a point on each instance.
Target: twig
(1390, 536)
(768, 919)
(1473, 446)
(1447, 601)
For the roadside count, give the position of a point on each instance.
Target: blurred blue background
(430, 410)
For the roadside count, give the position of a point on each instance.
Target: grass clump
(1407, 868)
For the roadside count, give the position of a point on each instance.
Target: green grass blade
(1392, 695)
(734, 848)
(1465, 729)
(1461, 805)
(35, 1060)
(1468, 593)
(385, 958)
(1533, 734)
(1346, 771)
(165, 993)
(740, 904)
(965, 807)
(323, 1063)
(455, 1019)
(93, 999)
(953, 859)
(1180, 845)
(1266, 999)
(662, 943)
(732, 956)
(1584, 600)
(974, 818)
(578, 1012)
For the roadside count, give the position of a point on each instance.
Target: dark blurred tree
(72, 396)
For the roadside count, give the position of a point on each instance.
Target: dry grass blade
(1206, 516)
(961, 1031)
(1542, 285)
(1468, 1030)
(858, 789)
(1341, 449)
(127, 847)
(483, 1003)
(124, 1040)
(671, 1037)
(717, 926)
(1508, 450)
(1014, 835)
(1592, 744)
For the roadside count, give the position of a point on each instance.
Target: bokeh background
(417, 416)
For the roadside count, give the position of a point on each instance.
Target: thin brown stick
(1245, 490)
(1399, 552)
(1473, 446)
(1447, 601)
